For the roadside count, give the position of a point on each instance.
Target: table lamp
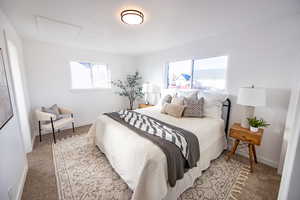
(149, 88)
(250, 97)
(146, 91)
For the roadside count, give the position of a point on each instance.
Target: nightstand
(245, 135)
(142, 105)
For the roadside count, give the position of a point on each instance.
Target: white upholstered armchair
(50, 122)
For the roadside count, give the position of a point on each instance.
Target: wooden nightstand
(142, 105)
(243, 134)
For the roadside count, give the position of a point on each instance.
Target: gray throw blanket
(181, 147)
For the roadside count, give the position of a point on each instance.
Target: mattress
(143, 166)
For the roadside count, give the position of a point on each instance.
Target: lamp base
(146, 98)
(248, 112)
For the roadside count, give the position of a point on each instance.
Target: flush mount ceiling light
(132, 17)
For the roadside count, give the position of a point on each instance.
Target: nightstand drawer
(251, 138)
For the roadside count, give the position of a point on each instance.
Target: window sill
(90, 90)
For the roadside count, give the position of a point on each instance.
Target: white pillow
(213, 103)
(165, 92)
(188, 94)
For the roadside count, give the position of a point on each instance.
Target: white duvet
(142, 164)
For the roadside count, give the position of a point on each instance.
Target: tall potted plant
(130, 88)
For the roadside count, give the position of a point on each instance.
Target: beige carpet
(41, 180)
(83, 172)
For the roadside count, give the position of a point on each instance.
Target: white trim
(22, 182)
(32, 142)
(79, 90)
(290, 168)
(261, 159)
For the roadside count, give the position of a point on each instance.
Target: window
(86, 75)
(180, 74)
(201, 74)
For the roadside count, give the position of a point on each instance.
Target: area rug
(83, 173)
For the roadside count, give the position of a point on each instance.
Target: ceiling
(96, 24)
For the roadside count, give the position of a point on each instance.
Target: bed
(143, 166)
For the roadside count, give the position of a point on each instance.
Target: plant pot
(254, 129)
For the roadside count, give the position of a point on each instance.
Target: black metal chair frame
(53, 128)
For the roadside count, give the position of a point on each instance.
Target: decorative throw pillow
(177, 100)
(163, 108)
(52, 110)
(193, 107)
(213, 103)
(166, 99)
(174, 110)
(187, 94)
(165, 92)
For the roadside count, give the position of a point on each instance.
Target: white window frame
(94, 88)
(192, 72)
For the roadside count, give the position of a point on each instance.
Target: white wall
(13, 165)
(264, 55)
(48, 73)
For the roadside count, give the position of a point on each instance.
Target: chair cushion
(58, 123)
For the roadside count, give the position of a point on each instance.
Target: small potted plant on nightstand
(255, 124)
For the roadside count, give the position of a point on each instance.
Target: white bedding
(142, 164)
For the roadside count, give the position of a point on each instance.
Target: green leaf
(254, 122)
(130, 88)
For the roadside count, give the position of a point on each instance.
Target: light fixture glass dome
(132, 17)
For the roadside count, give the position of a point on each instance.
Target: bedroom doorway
(19, 93)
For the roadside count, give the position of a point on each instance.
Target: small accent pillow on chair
(52, 110)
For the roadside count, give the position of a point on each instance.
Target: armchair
(48, 121)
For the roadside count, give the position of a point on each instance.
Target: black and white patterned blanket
(180, 146)
(153, 127)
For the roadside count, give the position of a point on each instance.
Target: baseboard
(22, 182)
(261, 159)
(32, 142)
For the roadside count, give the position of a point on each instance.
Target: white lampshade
(150, 88)
(146, 88)
(154, 88)
(251, 96)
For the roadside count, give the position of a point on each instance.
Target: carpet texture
(41, 182)
(83, 172)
